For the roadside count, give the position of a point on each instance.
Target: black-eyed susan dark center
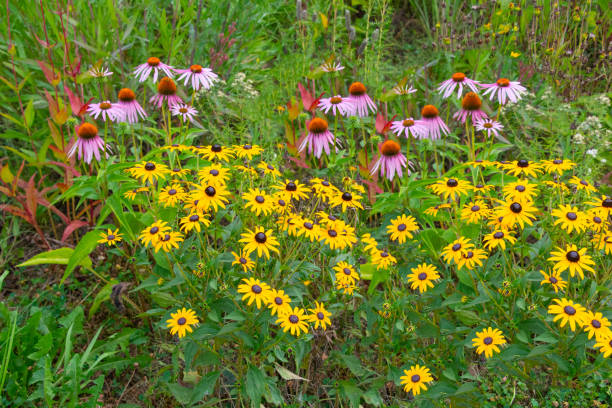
(498, 235)
(291, 186)
(214, 172)
(154, 230)
(149, 166)
(294, 319)
(242, 260)
(401, 227)
(607, 202)
(596, 323)
(347, 271)
(452, 183)
(422, 276)
(259, 199)
(573, 256)
(522, 163)
(557, 161)
(520, 188)
(332, 233)
(569, 310)
(346, 196)
(475, 208)
(456, 247)
(469, 255)
(487, 340)
(571, 216)
(216, 148)
(278, 300)
(210, 191)
(553, 280)
(181, 321)
(256, 289)
(110, 237)
(194, 218)
(261, 238)
(516, 208)
(415, 378)
(320, 315)
(171, 191)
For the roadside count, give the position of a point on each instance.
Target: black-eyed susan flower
(383, 259)
(521, 191)
(170, 195)
(247, 151)
(498, 238)
(475, 211)
(573, 259)
(148, 171)
(258, 201)
(294, 320)
(557, 166)
(523, 167)
(181, 321)
(214, 175)
(334, 234)
(320, 316)
(152, 233)
(346, 200)
(217, 152)
(472, 258)
(401, 228)
(570, 218)
(179, 173)
(371, 245)
(243, 260)
(595, 220)
(259, 240)
(324, 217)
(582, 185)
(268, 169)
(194, 220)
(293, 189)
(513, 212)
(248, 170)
(254, 291)
(111, 237)
(346, 273)
(168, 240)
(602, 204)
(450, 188)
(479, 163)
(487, 341)
(433, 211)
(556, 184)
(323, 188)
(554, 279)
(604, 344)
(209, 197)
(595, 324)
(131, 194)
(308, 228)
(289, 223)
(454, 251)
(422, 277)
(414, 380)
(346, 288)
(603, 242)
(175, 147)
(567, 311)
(280, 204)
(482, 188)
(278, 302)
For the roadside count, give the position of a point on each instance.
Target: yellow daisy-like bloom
(247, 151)
(111, 237)
(217, 152)
(521, 191)
(178, 172)
(346, 288)
(152, 234)
(496, 222)
(433, 211)
(557, 166)
(254, 291)
(414, 379)
(514, 213)
(278, 302)
(603, 205)
(401, 228)
(168, 240)
(323, 188)
(371, 245)
(320, 316)
(475, 211)
(479, 163)
(131, 194)
(603, 241)
(570, 218)
(248, 170)
(582, 185)
(336, 235)
(351, 184)
(181, 322)
(523, 167)
(346, 273)
(214, 175)
(498, 238)
(208, 197)
(450, 188)
(258, 202)
(346, 200)
(567, 311)
(572, 258)
(595, 219)
(422, 277)
(293, 190)
(482, 188)
(604, 344)
(471, 258)
(456, 249)
(259, 240)
(243, 260)
(148, 171)
(289, 223)
(194, 221)
(269, 169)
(556, 185)
(325, 218)
(169, 196)
(383, 259)
(487, 341)
(595, 324)
(294, 321)
(175, 147)
(309, 229)
(280, 204)
(554, 279)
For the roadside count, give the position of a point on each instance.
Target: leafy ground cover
(306, 204)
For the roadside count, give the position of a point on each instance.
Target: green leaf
(205, 387)
(85, 246)
(29, 113)
(352, 393)
(102, 296)
(255, 385)
(58, 256)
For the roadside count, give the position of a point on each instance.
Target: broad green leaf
(85, 246)
(59, 256)
(102, 296)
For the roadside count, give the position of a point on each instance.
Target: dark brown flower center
(596, 323)
(553, 280)
(401, 227)
(557, 161)
(347, 271)
(569, 310)
(308, 225)
(415, 378)
(294, 319)
(194, 218)
(216, 148)
(452, 183)
(214, 172)
(317, 125)
(181, 321)
(346, 196)
(498, 235)
(259, 199)
(332, 233)
(607, 202)
(242, 260)
(520, 188)
(320, 315)
(488, 341)
(278, 300)
(573, 256)
(522, 163)
(261, 238)
(516, 208)
(456, 247)
(291, 186)
(596, 220)
(256, 289)
(149, 166)
(571, 216)
(210, 191)
(422, 276)
(110, 237)
(475, 208)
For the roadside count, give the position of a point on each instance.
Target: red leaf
(373, 186)
(75, 102)
(31, 197)
(382, 125)
(71, 169)
(301, 163)
(74, 224)
(16, 211)
(49, 74)
(308, 101)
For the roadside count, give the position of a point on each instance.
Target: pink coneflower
(489, 126)
(403, 90)
(458, 79)
(131, 107)
(109, 111)
(470, 106)
(409, 127)
(88, 143)
(337, 104)
(200, 77)
(99, 72)
(318, 139)
(391, 160)
(185, 111)
(361, 100)
(331, 67)
(505, 89)
(431, 120)
(166, 92)
(153, 64)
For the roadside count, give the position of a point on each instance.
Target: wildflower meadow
(366, 203)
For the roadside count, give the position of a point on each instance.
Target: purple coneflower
(431, 120)
(318, 139)
(489, 126)
(99, 72)
(337, 104)
(109, 111)
(391, 160)
(166, 92)
(88, 143)
(331, 67)
(363, 103)
(505, 89)
(470, 106)
(409, 127)
(200, 77)
(185, 111)
(403, 90)
(131, 107)
(458, 79)
(153, 64)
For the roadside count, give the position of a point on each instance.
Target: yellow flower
(181, 322)
(254, 291)
(345, 273)
(402, 227)
(488, 340)
(278, 302)
(572, 258)
(259, 240)
(567, 311)
(515, 54)
(320, 316)
(294, 320)
(554, 279)
(414, 379)
(422, 277)
(111, 237)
